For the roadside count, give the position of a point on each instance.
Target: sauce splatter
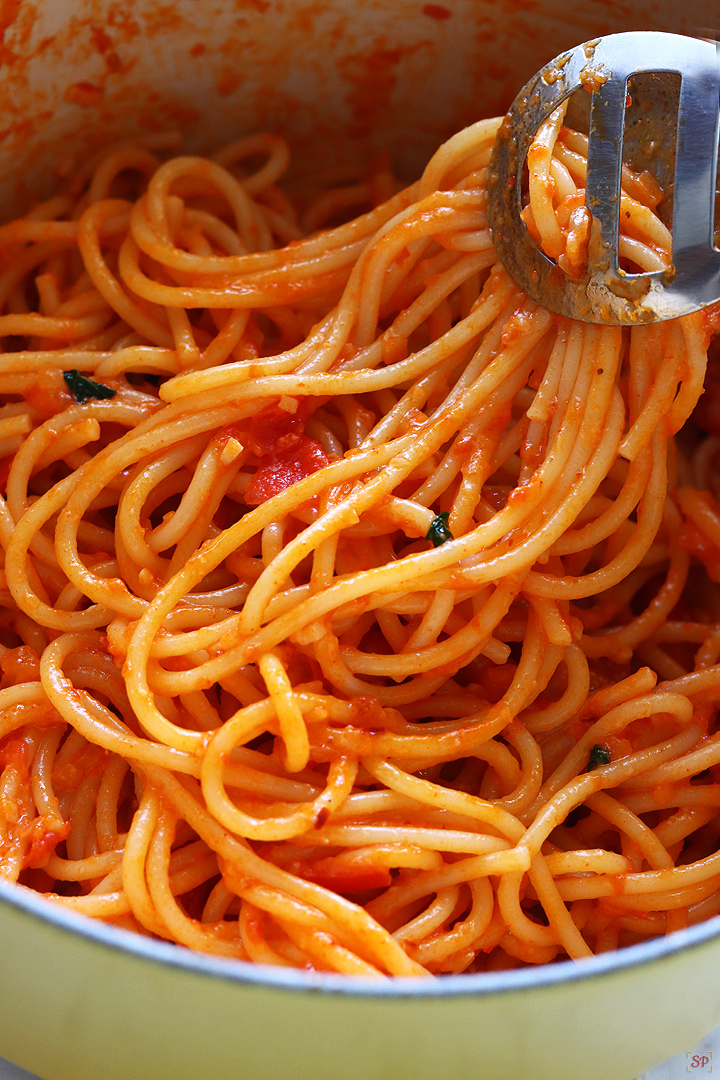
(85, 94)
(436, 11)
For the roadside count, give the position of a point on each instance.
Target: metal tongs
(640, 129)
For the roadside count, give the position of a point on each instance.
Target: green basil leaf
(84, 388)
(599, 755)
(438, 531)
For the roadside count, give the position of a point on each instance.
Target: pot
(82, 1000)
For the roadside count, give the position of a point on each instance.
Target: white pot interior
(341, 78)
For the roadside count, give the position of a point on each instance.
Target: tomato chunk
(284, 469)
(273, 431)
(346, 878)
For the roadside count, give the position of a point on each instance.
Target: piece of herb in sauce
(599, 755)
(438, 531)
(84, 388)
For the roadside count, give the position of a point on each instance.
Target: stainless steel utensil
(667, 122)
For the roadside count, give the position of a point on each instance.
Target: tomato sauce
(44, 834)
(707, 411)
(436, 11)
(692, 539)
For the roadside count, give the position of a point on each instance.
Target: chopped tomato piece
(19, 665)
(346, 878)
(284, 469)
(272, 431)
(14, 755)
(496, 679)
(44, 834)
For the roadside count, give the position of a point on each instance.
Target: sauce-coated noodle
(358, 614)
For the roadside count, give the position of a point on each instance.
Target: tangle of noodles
(358, 614)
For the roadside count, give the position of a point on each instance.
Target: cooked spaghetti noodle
(358, 614)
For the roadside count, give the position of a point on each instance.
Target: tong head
(606, 293)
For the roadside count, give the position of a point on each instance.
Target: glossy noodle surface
(358, 614)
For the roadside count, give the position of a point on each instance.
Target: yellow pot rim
(478, 985)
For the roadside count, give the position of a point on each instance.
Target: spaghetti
(358, 614)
